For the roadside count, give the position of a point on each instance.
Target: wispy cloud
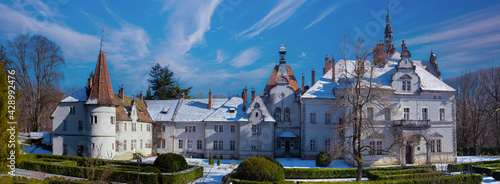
(220, 56)
(303, 55)
(246, 57)
(275, 17)
(322, 16)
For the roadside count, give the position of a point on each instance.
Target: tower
(389, 46)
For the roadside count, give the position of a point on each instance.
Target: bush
(150, 169)
(323, 159)
(493, 151)
(182, 177)
(260, 168)
(308, 173)
(171, 162)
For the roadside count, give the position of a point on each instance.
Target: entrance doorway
(410, 156)
(287, 146)
(79, 151)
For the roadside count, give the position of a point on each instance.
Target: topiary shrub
(218, 159)
(210, 159)
(171, 162)
(150, 169)
(323, 159)
(260, 168)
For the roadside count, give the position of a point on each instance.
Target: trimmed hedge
(496, 175)
(457, 167)
(485, 170)
(455, 179)
(171, 162)
(185, 176)
(323, 159)
(380, 175)
(260, 168)
(309, 173)
(238, 181)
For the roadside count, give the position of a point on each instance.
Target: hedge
(380, 175)
(309, 173)
(185, 176)
(485, 170)
(238, 181)
(455, 179)
(496, 175)
(7, 179)
(457, 167)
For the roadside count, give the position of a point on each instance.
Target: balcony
(412, 124)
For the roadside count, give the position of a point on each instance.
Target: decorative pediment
(376, 135)
(436, 135)
(406, 76)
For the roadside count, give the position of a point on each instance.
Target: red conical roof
(101, 92)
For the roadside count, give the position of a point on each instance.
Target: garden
(167, 168)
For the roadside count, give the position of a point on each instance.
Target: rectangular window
(163, 142)
(112, 119)
(194, 128)
(148, 143)
(256, 129)
(124, 144)
(369, 112)
(112, 145)
(387, 114)
(218, 145)
(140, 144)
(134, 143)
(278, 144)
(425, 114)
(134, 127)
(80, 125)
(181, 143)
(219, 128)
(313, 117)
(406, 86)
(141, 127)
(438, 145)
(148, 127)
(233, 128)
(312, 145)
(379, 147)
(232, 145)
(65, 125)
(199, 144)
(186, 129)
(72, 110)
(65, 149)
(125, 126)
(433, 144)
(117, 145)
(190, 143)
(93, 119)
(406, 113)
(256, 145)
(442, 114)
(327, 144)
(163, 128)
(328, 118)
(93, 146)
(372, 148)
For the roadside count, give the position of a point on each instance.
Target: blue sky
(227, 45)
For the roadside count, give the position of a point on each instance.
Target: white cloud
(220, 56)
(303, 55)
(246, 57)
(275, 17)
(322, 16)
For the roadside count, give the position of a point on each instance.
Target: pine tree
(210, 159)
(218, 159)
(148, 94)
(164, 86)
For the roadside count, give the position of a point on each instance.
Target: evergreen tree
(218, 159)
(5, 135)
(164, 86)
(210, 159)
(148, 94)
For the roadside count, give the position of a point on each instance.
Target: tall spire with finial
(389, 47)
(102, 35)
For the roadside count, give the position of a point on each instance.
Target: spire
(389, 47)
(101, 92)
(102, 35)
(282, 53)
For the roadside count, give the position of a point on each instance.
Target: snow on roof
(79, 96)
(196, 110)
(224, 114)
(323, 88)
(162, 110)
(258, 100)
(287, 134)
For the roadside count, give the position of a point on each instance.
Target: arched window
(277, 114)
(287, 114)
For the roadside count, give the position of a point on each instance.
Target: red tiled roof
(292, 82)
(122, 114)
(101, 90)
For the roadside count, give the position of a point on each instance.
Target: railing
(412, 123)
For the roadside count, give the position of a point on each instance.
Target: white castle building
(287, 120)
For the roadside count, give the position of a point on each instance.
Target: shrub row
(494, 150)
(185, 176)
(308, 173)
(7, 179)
(381, 175)
(496, 175)
(410, 176)
(455, 179)
(238, 181)
(456, 167)
(78, 171)
(485, 170)
(81, 160)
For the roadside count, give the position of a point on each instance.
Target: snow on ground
(298, 163)
(463, 159)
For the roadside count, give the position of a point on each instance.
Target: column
(428, 145)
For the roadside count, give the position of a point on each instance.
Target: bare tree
(491, 85)
(357, 90)
(37, 62)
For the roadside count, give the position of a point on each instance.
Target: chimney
(313, 73)
(141, 97)
(303, 78)
(333, 68)
(253, 94)
(210, 99)
(327, 64)
(89, 82)
(244, 96)
(121, 93)
(403, 46)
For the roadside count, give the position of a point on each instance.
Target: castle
(286, 120)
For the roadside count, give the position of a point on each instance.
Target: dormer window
(232, 109)
(406, 85)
